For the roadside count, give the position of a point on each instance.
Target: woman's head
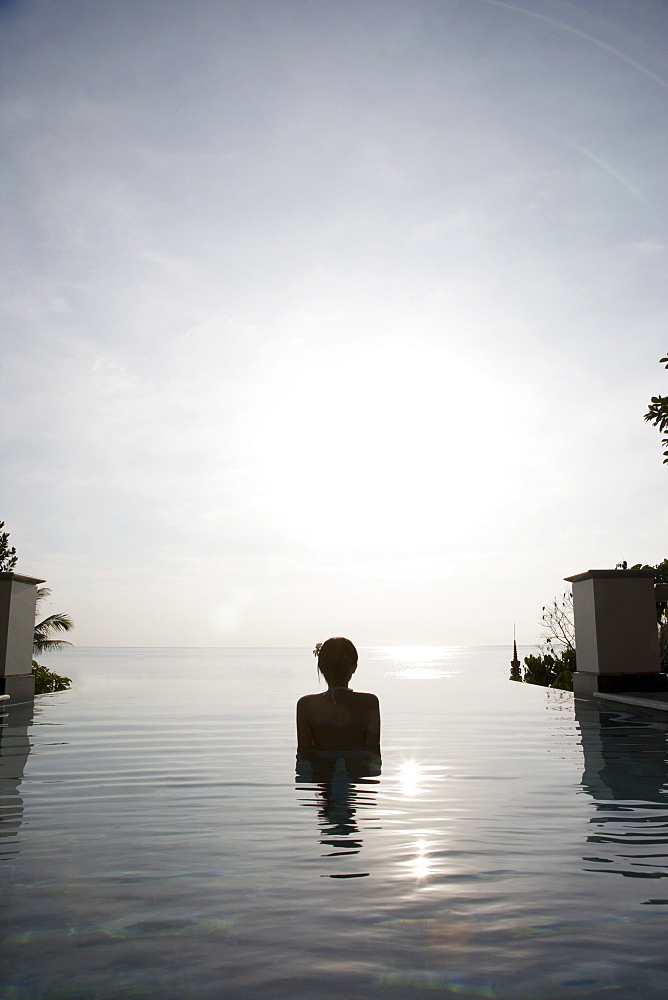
(337, 661)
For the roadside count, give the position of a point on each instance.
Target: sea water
(156, 840)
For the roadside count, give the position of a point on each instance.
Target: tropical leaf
(45, 630)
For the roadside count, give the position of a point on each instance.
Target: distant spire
(515, 671)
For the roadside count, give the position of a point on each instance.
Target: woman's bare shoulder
(308, 698)
(371, 698)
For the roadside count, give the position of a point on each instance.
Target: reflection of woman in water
(338, 722)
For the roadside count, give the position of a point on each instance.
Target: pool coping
(657, 702)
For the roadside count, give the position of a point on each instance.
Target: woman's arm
(304, 731)
(372, 735)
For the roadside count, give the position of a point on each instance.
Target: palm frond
(43, 636)
(49, 645)
(42, 593)
(55, 623)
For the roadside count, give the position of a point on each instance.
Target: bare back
(338, 719)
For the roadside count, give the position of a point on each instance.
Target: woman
(338, 722)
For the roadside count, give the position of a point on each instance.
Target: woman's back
(338, 719)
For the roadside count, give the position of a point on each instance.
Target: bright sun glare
(419, 865)
(420, 655)
(410, 778)
(383, 448)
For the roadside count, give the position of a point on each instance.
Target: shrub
(550, 669)
(47, 681)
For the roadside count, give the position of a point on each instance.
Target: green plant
(43, 641)
(657, 414)
(554, 667)
(550, 669)
(566, 666)
(8, 556)
(47, 681)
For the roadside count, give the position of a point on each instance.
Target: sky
(330, 317)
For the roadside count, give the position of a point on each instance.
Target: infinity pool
(156, 840)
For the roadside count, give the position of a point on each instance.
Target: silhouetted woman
(338, 722)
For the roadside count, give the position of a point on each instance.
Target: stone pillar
(18, 597)
(616, 635)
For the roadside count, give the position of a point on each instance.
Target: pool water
(157, 841)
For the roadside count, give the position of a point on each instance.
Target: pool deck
(657, 701)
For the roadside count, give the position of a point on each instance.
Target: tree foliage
(8, 556)
(550, 669)
(657, 414)
(45, 638)
(47, 681)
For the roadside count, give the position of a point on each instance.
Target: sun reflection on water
(421, 662)
(422, 655)
(420, 866)
(411, 776)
